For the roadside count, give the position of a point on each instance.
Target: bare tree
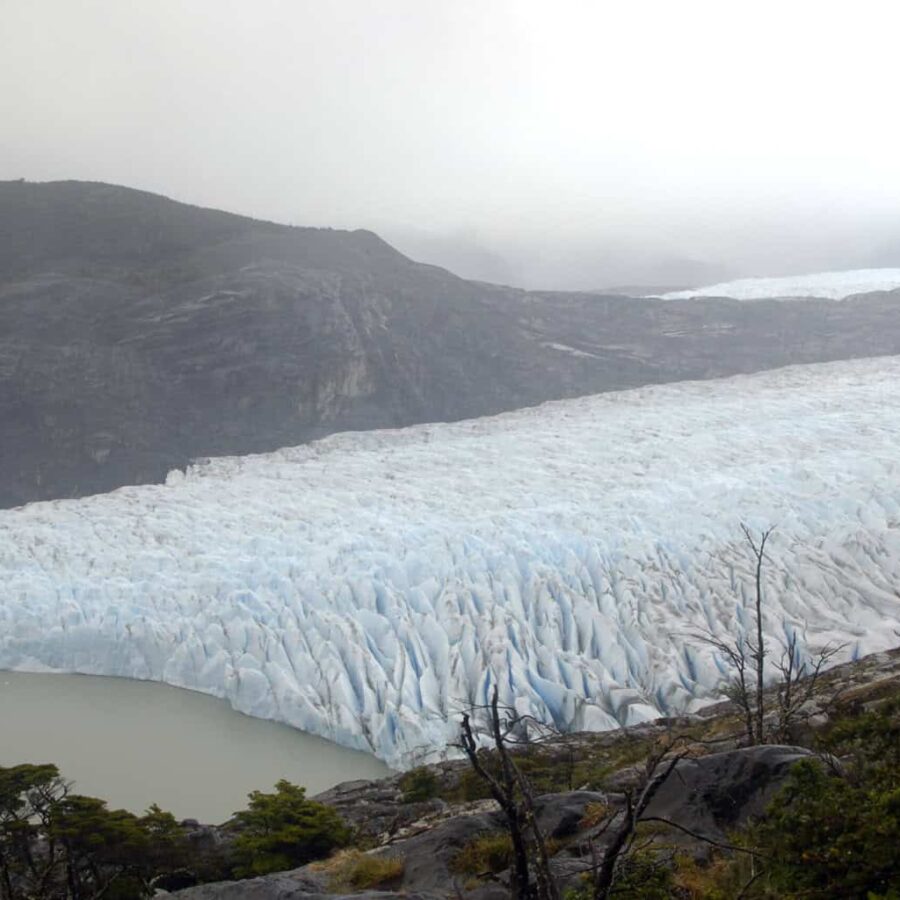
(737, 653)
(799, 674)
(759, 651)
(745, 657)
(797, 686)
(613, 842)
(513, 793)
(622, 827)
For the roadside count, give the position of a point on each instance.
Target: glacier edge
(366, 587)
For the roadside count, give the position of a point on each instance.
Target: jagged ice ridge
(367, 586)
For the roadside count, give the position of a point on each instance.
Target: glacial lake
(134, 743)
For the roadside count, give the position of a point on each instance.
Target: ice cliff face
(368, 586)
(828, 285)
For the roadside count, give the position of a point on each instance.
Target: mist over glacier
(368, 586)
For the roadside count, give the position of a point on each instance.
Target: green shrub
(349, 870)
(834, 832)
(825, 837)
(96, 851)
(869, 741)
(376, 872)
(419, 785)
(716, 877)
(285, 830)
(554, 768)
(469, 788)
(490, 852)
(641, 876)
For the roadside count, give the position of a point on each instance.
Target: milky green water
(134, 743)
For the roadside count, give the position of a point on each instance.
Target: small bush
(594, 814)
(470, 787)
(491, 852)
(354, 870)
(419, 785)
(641, 877)
(550, 769)
(718, 878)
(376, 871)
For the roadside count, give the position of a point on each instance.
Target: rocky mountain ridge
(137, 334)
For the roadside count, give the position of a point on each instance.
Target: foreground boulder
(714, 794)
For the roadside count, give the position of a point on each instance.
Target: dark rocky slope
(137, 333)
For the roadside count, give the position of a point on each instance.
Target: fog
(569, 144)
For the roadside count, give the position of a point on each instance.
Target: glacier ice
(368, 586)
(828, 285)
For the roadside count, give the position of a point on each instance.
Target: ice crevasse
(369, 586)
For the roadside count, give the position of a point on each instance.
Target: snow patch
(827, 285)
(567, 348)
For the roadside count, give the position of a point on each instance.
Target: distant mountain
(137, 333)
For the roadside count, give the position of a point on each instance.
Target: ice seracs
(368, 586)
(827, 285)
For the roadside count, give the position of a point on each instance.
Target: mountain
(138, 334)
(368, 586)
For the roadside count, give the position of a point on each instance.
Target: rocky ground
(717, 787)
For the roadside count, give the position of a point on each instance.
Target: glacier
(825, 285)
(369, 586)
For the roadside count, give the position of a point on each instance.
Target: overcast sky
(566, 143)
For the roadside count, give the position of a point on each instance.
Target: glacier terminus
(369, 586)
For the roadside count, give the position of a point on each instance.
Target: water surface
(134, 743)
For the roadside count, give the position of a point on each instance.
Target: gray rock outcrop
(712, 794)
(708, 796)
